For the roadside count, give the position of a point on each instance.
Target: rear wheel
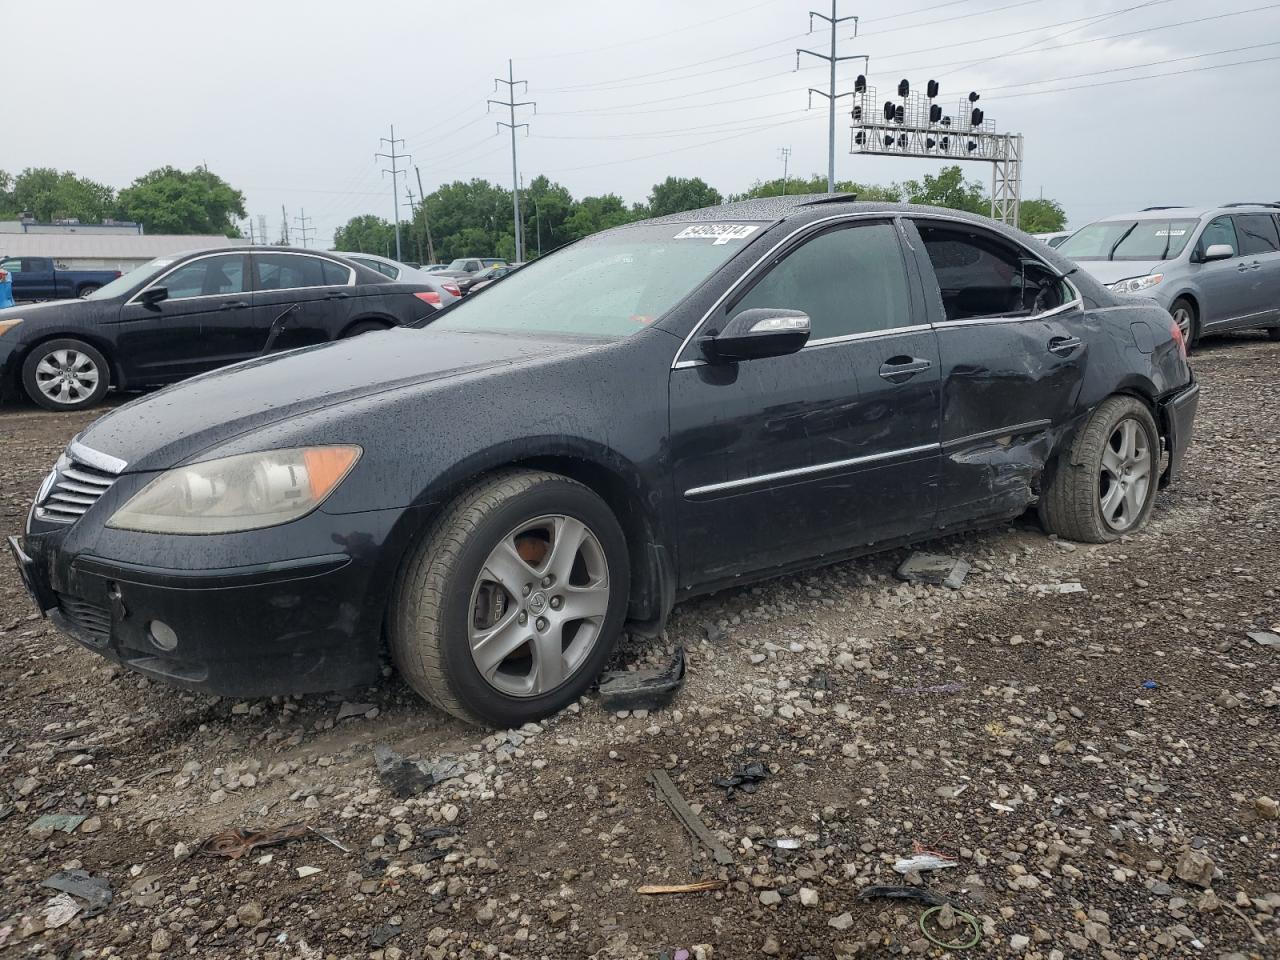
(364, 326)
(65, 375)
(509, 608)
(1106, 486)
(1184, 315)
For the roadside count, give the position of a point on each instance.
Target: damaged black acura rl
(663, 409)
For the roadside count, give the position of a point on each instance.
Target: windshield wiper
(1111, 254)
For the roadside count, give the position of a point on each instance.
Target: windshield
(610, 285)
(131, 279)
(1129, 240)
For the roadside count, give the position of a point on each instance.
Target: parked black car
(179, 316)
(660, 410)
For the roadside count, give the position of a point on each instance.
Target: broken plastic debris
(923, 861)
(349, 710)
(698, 886)
(66, 822)
(643, 689)
(94, 891)
(783, 843)
(923, 894)
(746, 779)
(236, 843)
(1150, 685)
(689, 820)
(934, 569)
(308, 871)
(407, 777)
(60, 910)
(383, 935)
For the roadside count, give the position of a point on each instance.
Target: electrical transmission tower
(784, 154)
(511, 104)
(831, 94)
(395, 172)
(302, 228)
(284, 225)
(262, 228)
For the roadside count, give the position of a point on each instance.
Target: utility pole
(395, 171)
(784, 154)
(253, 242)
(511, 104)
(284, 225)
(831, 94)
(408, 192)
(303, 228)
(426, 223)
(262, 228)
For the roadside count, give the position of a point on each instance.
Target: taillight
(429, 296)
(452, 288)
(119, 274)
(1179, 339)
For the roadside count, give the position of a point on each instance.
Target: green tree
(818, 184)
(546, 208)
(593, 214)
(1041, 216)
(947, 189)
(169, 200)
(676, 194)
(471, 219)
(48, 194)
(366, 234)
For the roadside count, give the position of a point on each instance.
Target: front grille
(89, 618)
(77, 485)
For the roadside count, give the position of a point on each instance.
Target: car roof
(1191, 213)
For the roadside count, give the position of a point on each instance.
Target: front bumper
(300, 625)
(1177, 414)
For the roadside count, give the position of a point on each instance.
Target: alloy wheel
(1182, 317)
(67, 376)
(1125, 477)
(538, 605)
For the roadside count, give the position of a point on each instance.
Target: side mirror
(757, 333)
(152, 296)
(1218, 251)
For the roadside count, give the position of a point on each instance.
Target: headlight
(1137, 284)
(245, 492)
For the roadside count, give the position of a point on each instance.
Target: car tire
(1184, 315)
(1105, 486)
(86, 290)
(449, 605)
(364, 326)
(69, 369)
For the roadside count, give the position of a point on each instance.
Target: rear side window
(281, 271)
(981, 276)
(848, 280)
(1257, 233)
(1220, 230)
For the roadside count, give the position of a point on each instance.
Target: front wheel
(364, 326)
(1106, 485)
(509, 608)
(65, 375)
(1184, 315)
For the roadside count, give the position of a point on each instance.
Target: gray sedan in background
(445, 287)
(1214, 269)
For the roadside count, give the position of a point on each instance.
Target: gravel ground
(1009, 727)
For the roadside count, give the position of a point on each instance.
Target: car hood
(1109, 271)
(173, 425)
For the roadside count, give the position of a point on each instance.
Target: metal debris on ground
(643, 689)
(66, 822)
(1265, 638)
(59, 911)
(698, 886)
(954, 687)
(922, 862)
(669, 795)
(236, 843)
(747, 779)
(923, 894)
(934, 570)
(328, 839)
(964, 941)
(349, 710)
(407, 777)
(94, 891)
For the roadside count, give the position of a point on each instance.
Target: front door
(299, 299)
(1223, 283)
(1014, 343)
(205, 321)
(785, 459)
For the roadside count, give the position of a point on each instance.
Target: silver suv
(1214, 269)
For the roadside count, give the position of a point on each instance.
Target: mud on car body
(657, 411)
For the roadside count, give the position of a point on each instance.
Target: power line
(1154, 76)
(959, 16)
(510, 103)
(395, 172)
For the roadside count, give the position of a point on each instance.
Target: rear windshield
(610, 285)
(1129, 240)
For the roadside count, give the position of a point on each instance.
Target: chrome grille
(88, 617)
(80, 477)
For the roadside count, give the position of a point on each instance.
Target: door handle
(902, 369)
(1255, 265)
(337, 295)
(1242, 268)
(233, 305)
(1064, 346)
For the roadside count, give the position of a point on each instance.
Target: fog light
(162, 635)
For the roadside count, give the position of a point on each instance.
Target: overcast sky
(288, 101)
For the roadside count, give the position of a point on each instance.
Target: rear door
(1259, 268)
(306, 299)
(1014, 343)
(783, 459)
(204, 323)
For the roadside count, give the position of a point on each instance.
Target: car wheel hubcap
(1182, 317)
(66, 376)
(538, 606)
(1125, 478)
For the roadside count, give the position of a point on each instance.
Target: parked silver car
(1214, 269)
(445, 287)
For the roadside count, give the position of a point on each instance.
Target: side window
(472, 266)
(286, 271)
(13, 266)
(1219, 231)
(1257, 233)
(848, 280)
(337, 274)
(207, 277)
(980, 275)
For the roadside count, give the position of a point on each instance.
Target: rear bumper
(1177, 415)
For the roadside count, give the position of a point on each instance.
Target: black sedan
(660, 410)
(179, 316)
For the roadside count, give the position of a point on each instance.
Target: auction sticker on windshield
(720, 233)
